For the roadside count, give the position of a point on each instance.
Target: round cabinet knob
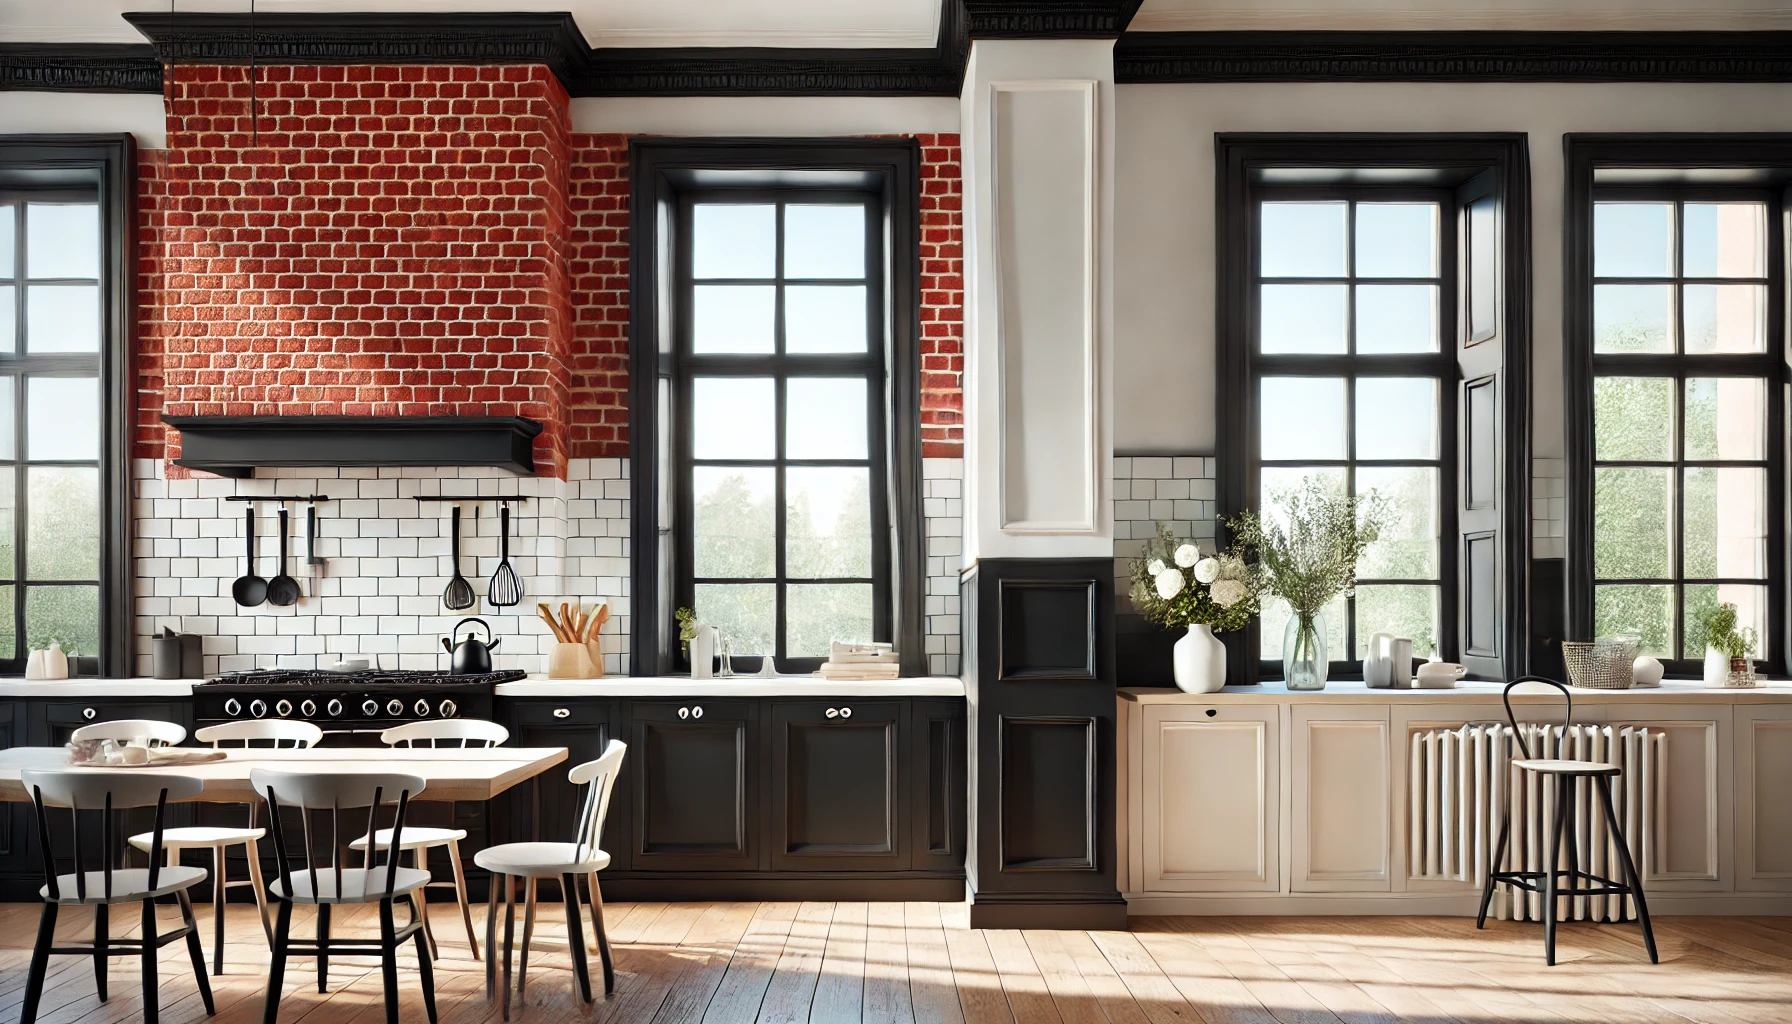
(370, 707)
(684, 712)
(567, 712)
(88, 713)
(696, 712)
(394, 708)
(308, 708)
(233, 707)
(833, 712)
(334, 707)
(845, 712)
(421, 707)
(258, 708)
(448, 709)
(283, 708)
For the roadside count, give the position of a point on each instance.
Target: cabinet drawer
(568, 713)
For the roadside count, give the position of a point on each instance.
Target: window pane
(1633, 419)
(734, 241)
(826, 418)
(62, 318)
(817, 614)
(1633, 239)
(68, 614)
(9, 319)
(9, 642)
(62, 529)
(8, 392)
(1396, 318)
(1726, 418)
(1725, 535)
(1275, 620)
(1725, 240)
(824, 241)
(62, 417)
(1632, 508)
(1396, 240)
(734, 318)
(734, 522)
(733, 418)
(1642, 611)
(62, 240)
(9, 226)
(1275, 483)
(1303, 239)
(827, 522)
(8, 526)
(742, 612)
(1403, 611)
(1303, 318)
(1751, 611)
(1633, 318)
(1726, 318)
(1302, 417)
(1407, 549)
(1396, 418)
(824, 319)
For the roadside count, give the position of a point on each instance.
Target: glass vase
(1305, 661)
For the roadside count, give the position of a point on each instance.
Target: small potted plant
(1729, 650)
(1175, 586)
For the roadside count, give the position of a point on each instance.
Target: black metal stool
(1561, 833)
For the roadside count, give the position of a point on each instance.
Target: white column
(1038, 147)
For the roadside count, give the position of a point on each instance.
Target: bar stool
(276, 733)
(1544, 882)
(565, 861)
(418, 840)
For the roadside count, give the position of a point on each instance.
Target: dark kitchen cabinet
(548, 808)
(692, 774)
(937, 761)
(52, 722)
(20, 867)
(839, 796)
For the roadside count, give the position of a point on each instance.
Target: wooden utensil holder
(570, 661)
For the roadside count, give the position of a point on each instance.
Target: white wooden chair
(565, 861)
(304, 879)
(111, 794)
(418, 840)
(271, 732)
(146, 731)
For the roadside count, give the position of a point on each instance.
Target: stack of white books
(861, 662)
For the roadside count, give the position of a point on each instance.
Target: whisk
(505, 589)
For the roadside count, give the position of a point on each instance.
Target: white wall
(1164, 308)
(806, 116)
(34, 113)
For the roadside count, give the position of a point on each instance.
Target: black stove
(366, 701)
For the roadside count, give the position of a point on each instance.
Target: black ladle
(249, 589)
(283, 590)
(459, 594)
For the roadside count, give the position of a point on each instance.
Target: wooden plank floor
(760, 963)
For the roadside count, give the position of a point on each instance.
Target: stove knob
(258, 708)
(233, 707)
(308, 708)
(333, 708)
(448, 709)
(370, 707)
(394, 708)
(422, 708)
(283, 708)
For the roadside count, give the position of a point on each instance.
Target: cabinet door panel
(1210, 792)
(1763, 813)
(693, 786)
(1342, 827)
(837, 797)
(548, 808)
(937, 775)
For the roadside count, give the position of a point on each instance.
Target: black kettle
(471, 657)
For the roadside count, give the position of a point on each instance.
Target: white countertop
(84, 688)
(1671, 691)
(735, 686)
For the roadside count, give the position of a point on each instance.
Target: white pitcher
(703, 653)
(1389, 662)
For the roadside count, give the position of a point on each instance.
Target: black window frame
(667, 175)
(102, 168)
(1679, 168)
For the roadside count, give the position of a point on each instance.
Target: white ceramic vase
(1717, 669)
(1200, 661)
(55, 662)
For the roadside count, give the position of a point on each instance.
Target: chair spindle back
(336, 793)
(110, 793)
(1554, 741)
(599, 778)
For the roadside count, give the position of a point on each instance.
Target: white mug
(1440, 675)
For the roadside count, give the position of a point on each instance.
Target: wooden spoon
(541, 609)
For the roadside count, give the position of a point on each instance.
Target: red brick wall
(598, 427)
(942, 298)
(395, 244)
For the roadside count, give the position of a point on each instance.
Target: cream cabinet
(1209, 790)
(1343, 819)
(1763, 798)
(1691, 848)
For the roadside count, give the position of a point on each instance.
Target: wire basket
(1602, 664)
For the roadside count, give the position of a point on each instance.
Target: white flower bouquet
(1174, 584)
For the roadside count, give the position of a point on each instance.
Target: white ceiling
(901, 23)
(1393, 15)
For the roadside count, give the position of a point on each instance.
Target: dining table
(448, 773)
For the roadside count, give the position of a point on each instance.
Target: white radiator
(1459, 779)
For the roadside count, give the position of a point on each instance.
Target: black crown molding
(75, 67)
(1160, 57)
(1047, 19)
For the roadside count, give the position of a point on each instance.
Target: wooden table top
(450, 774)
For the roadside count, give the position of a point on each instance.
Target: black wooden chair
(111, 794)
(321, 880)
(1561, 832)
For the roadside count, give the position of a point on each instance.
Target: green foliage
(1313, 557)
(1719, 630)
(1193, 603)
(687, 628)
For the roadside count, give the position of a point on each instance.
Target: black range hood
(236, 445)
